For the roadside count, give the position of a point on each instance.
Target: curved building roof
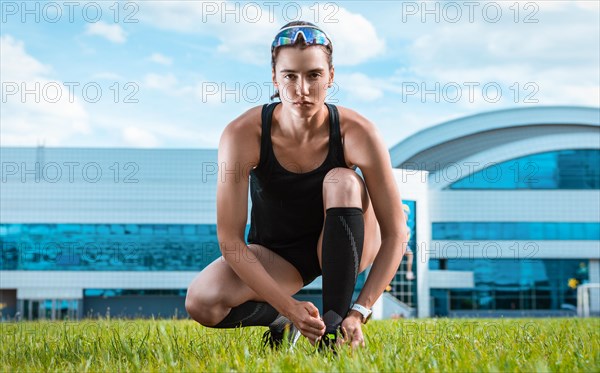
(517, 131)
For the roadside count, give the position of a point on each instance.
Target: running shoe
(279, 330)
(333, 331)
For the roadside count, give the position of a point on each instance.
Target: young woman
(312, 214)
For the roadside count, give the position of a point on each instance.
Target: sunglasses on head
(312, 36)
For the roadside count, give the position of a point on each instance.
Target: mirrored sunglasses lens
(310, 36)
(320, 39)
(314, 36)
(283, 40)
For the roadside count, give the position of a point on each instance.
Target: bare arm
(237, 156)
(235, 160)
(372, 156)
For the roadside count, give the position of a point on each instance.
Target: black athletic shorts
(302, 255)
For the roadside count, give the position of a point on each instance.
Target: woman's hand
(351, 326)
(305, 317)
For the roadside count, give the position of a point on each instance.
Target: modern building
(505, 220)
(514, 209)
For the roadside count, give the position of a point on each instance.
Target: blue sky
(173, 74)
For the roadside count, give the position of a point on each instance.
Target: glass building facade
(159, 218)
(526, 284)
(115, 247)
(401, 288)
(508, 284)
(515, 231)
(51, 309)
(108, 247)
(563, 169)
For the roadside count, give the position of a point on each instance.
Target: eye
(289, 76)
(315, 75)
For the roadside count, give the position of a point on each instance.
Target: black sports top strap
(265, 137)
(337, 148)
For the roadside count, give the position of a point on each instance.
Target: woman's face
(302, 75)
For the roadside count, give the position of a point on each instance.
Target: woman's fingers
(314, 320)
(312, 310)
(353, 334)
(311, 337)
(309, 329)
(357, 338)
(345, 335)
(306, 318)
(317, 324)
(313, 334)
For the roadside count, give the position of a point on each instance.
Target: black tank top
(287, 207)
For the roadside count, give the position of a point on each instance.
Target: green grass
(432, 345)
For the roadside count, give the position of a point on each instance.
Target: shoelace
(267, 339)
(329, 341)
(275, 339)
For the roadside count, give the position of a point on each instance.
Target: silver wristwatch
(364, 311)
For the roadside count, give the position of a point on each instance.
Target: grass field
(432, 345)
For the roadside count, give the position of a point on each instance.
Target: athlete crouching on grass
(311, 212)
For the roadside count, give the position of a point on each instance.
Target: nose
(303, 87)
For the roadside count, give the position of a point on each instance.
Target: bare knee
(341, 187)
(197, 306)
(213, 292)
(205, 308)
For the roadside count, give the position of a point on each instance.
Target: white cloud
(359, 86)
(556, 6)
(181, 16)
(555, 54)
(589, 5)
(166, 82)
(46, 116)
(214, 94)
(351, 47)
(242, 39)
(139, 138)
(161, 59)
(158, 129)
(17, 65)
(248, 38)
(113, 33)
(198, 89)
(107, 75)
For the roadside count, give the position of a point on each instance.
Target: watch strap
(364, 311)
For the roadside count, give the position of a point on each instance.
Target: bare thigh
(372, 239)
(219, 284)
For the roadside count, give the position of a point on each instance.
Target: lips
(303, 103)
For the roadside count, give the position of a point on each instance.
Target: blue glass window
(508, 284)
(412, 222)
(563, 169)
(108, 247)
(550, 231)
(515, 231)
(106, 293)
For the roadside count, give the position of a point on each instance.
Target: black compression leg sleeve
(343, 236)
(250, 313)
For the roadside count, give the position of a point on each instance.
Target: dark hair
(300, 44)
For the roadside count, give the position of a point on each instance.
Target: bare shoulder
(358, 133)
(245, 123)
(241, 137)
(364, 147)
